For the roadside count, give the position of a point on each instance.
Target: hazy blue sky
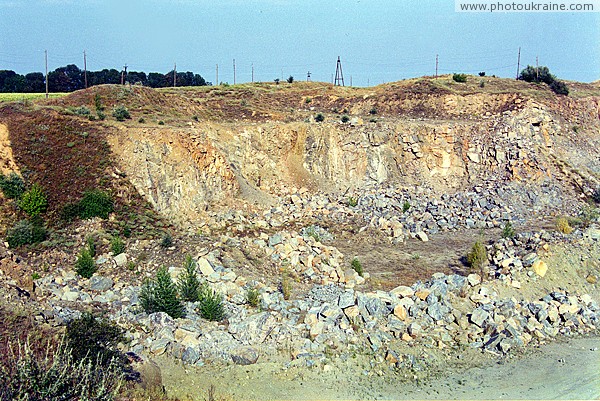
(378, 40)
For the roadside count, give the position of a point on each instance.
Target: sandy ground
(562, 370)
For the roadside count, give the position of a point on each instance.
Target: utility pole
(436, 66)
(252, 72)
(175, 75)
(85, 69)
(308, 76)
(123, 73)
(217, 80)
(537, 71)
(46, 53)
(350, 80)
(234, 71)
(519, 63)
(339, 75)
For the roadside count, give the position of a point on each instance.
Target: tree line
(71, 78)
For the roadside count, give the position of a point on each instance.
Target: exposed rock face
(181, 171)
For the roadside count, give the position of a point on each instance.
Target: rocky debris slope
(447, 312)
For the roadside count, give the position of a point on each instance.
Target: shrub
(345, 119)
(160, 295)
(563, 226)
(477, 258)
(405, 206)
(166, 241)
(319, 118)
(286, 284)
(70, 211)
(311, 231)
(188, 285)
(96, 339)
(589, 214)
(95, 203)
(459, 77)
(508, 231)
(101, 114)
(482, 84)
(373, 111)
(352, 201)
(276, 80)
(121, 113)
(307, 100)
(596, 195)
(25, 232)
(34, 202)
(98, 102)
(91, 245)
(58, 376)
(252, 297)
(85, 265)
(141, 120)
(81, 111)
(161, 122)
(12, 186)
(117, 245)
(482, 74)
(559, 87)
(211, 304)
(357, 266)
(290, 79)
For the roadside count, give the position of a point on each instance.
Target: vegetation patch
(160, 295)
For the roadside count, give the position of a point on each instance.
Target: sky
(377, 40)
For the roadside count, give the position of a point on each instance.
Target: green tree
(160, 295)
(188, 284)
(34, 201)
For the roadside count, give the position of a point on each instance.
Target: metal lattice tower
(339, 75)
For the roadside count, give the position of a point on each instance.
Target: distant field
(18, 97)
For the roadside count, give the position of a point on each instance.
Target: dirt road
(562, 370)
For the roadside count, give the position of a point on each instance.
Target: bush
(252, 297)
(290, 79)
(478, 257)
(405, 206)
(12, 186)
(95, 203)
(121, 113)
(95, 339)
(117, 246)
(24, 233)
(286, 284)
(508, 231)
(352, 201)
(61, 376)
(596, 195)
(563, 226)
(482, 74)
(373, 111)
(357, 266)
(345, 119)
(319, 118)
(85, 265)
(34, 202)
(166, 241)
(459, 77)
(160, 295)
(91, 246)
(560, 88)
(81, 111)
(211, 304)
(188, 285)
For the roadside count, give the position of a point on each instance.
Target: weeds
(405, 206)
(352, 201)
